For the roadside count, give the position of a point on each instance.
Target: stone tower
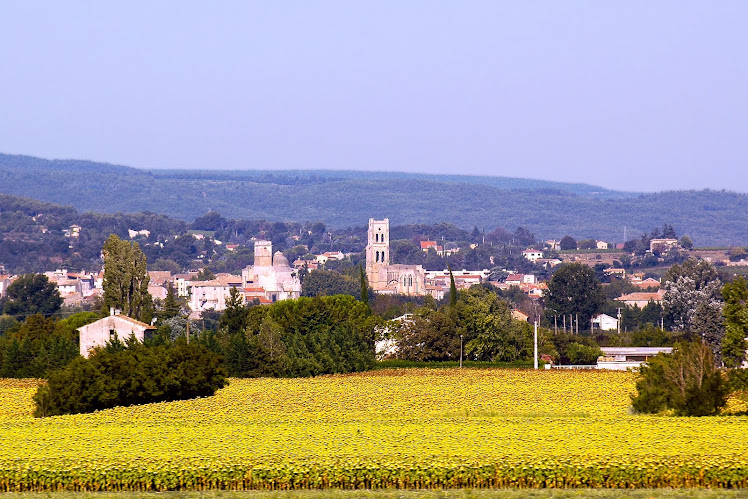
(263, 254)
(377, 250)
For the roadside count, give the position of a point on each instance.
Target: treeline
(347, 199)
(38, 345)
(35, 237)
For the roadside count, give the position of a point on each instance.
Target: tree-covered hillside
(347, 199)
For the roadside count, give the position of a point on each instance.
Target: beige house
(206, 295)
(98, 333)
(641, 299)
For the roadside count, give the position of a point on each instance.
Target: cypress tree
(364, 286)
(452, 288)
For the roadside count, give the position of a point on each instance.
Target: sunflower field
(397, 428)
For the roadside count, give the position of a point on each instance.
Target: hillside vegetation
(343, 199)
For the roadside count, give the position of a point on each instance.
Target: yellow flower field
(396, 428)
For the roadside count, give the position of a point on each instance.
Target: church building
(271, 278)
(385, 277)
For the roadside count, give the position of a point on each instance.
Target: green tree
(364, 285)
(688, 285)
(568, 243)
(171, 306)
(452, 288)
(32, 294)
(685, 381)
(125, 278)
(735, 313)
(234, 318)
(329, 283)
(429, 337)
(581, 354)
(573, 290)
(490, 332)
(136, 374)
(686, 242)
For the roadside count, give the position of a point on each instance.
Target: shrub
(134, 375)
(582, 354)
(685, 381)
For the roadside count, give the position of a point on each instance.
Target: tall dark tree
(171, 306)
(452, 289)
(32, 294)
(364, 285)
(126, 278)
(573, 290)
(234, 318)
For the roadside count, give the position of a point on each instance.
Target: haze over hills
(349, 198)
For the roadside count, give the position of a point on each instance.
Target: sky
(628, 95)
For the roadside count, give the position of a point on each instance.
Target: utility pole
(577, 317)
(188, 330)
(619, 320)
(460, 351)
(555, 324)
(564, 317)
(536, 345)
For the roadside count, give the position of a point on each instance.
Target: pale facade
(271, 275)
(98, 333)
(605, 322)
(385, 277)
(532, 254)
(206, 295)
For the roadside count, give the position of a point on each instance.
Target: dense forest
(342, 199)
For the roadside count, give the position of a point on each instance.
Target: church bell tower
(377, 250)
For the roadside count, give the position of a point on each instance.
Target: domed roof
(280, 260)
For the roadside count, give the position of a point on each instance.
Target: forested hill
(342, 199)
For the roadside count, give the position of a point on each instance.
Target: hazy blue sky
(636, 95)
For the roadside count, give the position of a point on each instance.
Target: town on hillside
(606, 294)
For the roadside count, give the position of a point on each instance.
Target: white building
(5, 281)
(271, 276)
(98, 333)
(206, 295)
(624, 358)
(605, 322)
(532, 254)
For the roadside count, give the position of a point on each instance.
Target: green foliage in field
(137, 374)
